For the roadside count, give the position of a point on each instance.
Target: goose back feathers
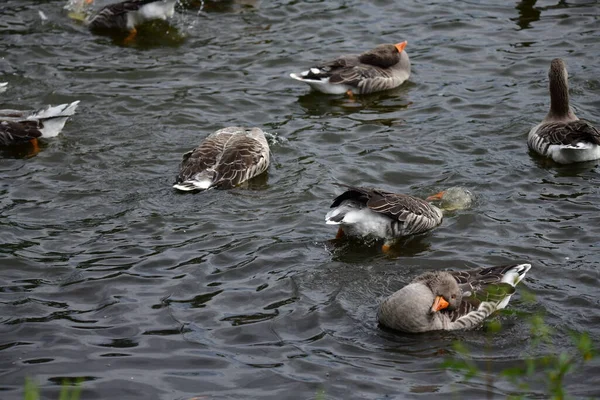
(224, 159)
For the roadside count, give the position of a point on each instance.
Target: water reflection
(527, 13)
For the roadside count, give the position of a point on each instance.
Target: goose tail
(53, 118)
(515, 274)
(201, 181)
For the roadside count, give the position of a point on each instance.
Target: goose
(361, 211)
(385, 67)
(20, 127)
(562, 136)
(125, 15)
(450, 300)
(224, 159)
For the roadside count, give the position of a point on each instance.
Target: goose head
(446, 291)
(386, 55)
(453, 198)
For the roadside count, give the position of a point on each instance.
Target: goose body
(126, 15)
(224, 159)
(385, 67)
(450, 300)
(562, 136)
(18, 127)
(372, 212)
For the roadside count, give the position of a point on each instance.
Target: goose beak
(437, 196)
(439, 304)
(400, 46)
(89, 1)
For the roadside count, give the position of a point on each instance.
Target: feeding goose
(124, 16)
(20, 127)
(372, 212)
(562, 136)
(385, 67)
(224, 159)
(450, 300)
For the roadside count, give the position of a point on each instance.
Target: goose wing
(569, 133)
(486, 285)
(204, 156)
(242, 158)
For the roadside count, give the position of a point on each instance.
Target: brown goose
(365, 211)
(224, 159)
(124, 16)
(20, 127)
(449, 300)
(385, 67)
(562, 136)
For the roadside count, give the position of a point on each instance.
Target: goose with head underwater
(225, 159)
(385, 67)
(562, 136)
(21, 127)
(361, 212)
(450, 300)
(123, 16)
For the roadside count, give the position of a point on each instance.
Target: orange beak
(439, 304)
(400, 46)
(89, 1)
(437, 196)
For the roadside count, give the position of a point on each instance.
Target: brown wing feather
(203, 156)
(240, 154)
(566, 133)
(12, 132)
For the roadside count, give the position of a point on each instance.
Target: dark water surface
(109, 275)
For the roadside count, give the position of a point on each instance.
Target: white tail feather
(62, 110)
(53, 118)
(516, 274)
(193, 184)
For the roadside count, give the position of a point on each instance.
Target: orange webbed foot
(132, 34)
(350, 95)
(34, 149)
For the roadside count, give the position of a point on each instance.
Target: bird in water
(21, 127)
(562, 136)
(450, 300)
(122, 16)
(224, 159)
(385, 67)
(362, 212)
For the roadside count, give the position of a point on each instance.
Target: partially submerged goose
(365, 211)
(450, 300)
(224, 159)
(385, 67)
(562, 136)
(126, 15)
(20, 127)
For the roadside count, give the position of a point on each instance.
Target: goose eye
(453, 296)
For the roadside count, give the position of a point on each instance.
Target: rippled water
(111, 276)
